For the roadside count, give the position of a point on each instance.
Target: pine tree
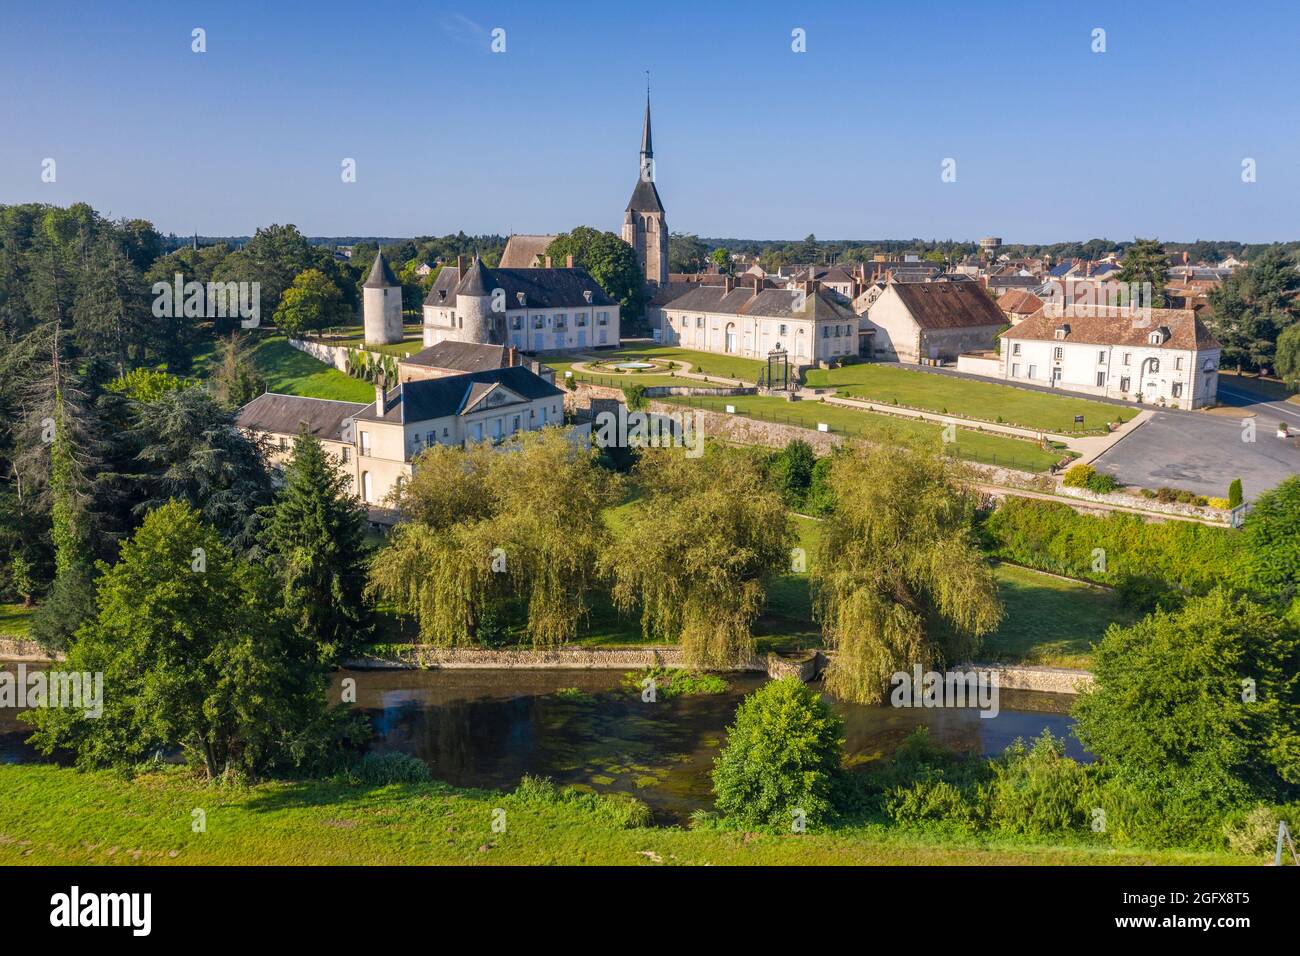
(1145, 262)
(314, 537)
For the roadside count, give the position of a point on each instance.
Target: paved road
(1203, 453)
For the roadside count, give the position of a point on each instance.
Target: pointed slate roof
(646, 149)
(478, 280)
(381, 276)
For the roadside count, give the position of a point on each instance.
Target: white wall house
(752, 321)
(534, 310)
(1162, 357)
(374, 444)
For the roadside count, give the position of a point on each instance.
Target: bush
(1254, 831)
(1234, 493)
(1038, 790)
(378, 770)
(634, 395)
(1078, 476)
(1220, 503)
(618, 810)
(782, 755)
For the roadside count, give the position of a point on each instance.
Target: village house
(931, 321)
(1018, 305)
(752, 320)
(457, 358)
(1158, 356)
(375, 444)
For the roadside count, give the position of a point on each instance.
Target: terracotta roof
(1020, 302)
(1113, 325)
(525, 252)
(286, 414)
(948, 305)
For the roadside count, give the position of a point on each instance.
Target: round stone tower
(381, 304)
(474, 317)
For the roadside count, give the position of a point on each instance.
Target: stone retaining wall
(562, 658)
(16, 649)
(1147, 504)
(752, 431)
(1050, 680)
(336, 355)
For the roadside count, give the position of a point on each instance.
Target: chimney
(461, 265)
(568, 262)
(758, 284)
(728, 284)
(548, 262)
(381, 399)
(512, 356)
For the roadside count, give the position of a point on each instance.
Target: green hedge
(1142, 558)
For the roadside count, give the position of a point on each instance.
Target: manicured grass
(957, 396)
(1050, 621)
(706, 363)
(54, 815)
(412, 342)
(291, 372)
(972, 445)
(15, 619)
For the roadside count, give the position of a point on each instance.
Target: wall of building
(806, 340)
(560, 328)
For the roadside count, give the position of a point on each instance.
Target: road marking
(1253, 400)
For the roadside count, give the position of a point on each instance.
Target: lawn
(15, 619)
(1050, 621)
(412, 342)
(972, 399)
(52, 815)
(706, 363)
(982, 447)
(291, 372)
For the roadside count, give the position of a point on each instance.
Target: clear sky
(1051, 140)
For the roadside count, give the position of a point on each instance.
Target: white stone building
(533, 310)
(381, 304)
(753, 320)
(1160, 356)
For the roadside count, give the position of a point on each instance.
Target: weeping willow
(899, 579)
(696, 554)
(488, 531)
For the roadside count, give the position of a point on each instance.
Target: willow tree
(698, 550)
(900, 580)
(486, 530)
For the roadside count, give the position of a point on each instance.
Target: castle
(539, 308)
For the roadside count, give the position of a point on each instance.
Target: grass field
(412, 342)
(973, 399)
(54, 815)
(15, 619)
(972, 445)
(1049, 621)
(291, 372)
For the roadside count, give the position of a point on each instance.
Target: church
(527, 303)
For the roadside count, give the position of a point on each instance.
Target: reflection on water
(488, 728)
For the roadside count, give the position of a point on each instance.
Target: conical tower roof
(477, 280)
(381, 276)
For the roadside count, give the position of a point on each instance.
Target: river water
(486, 729)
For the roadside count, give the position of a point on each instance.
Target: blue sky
(1052, 141)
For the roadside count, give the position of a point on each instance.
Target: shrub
(634, 395)
(1038, 790)
(1254, 831)
(618, 810)
(670, 682)
(1078, 476)
(782, 756)
(1234, 493)
(378, 770)
(1102, 483)
(1220, 503)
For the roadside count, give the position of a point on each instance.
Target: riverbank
(56, 815)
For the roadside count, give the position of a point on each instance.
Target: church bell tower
(645, 227)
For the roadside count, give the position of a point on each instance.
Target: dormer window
(523, 299)
(586, 294)
(1062, 331)
(1159, 336)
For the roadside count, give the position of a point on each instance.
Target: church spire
(647, 150)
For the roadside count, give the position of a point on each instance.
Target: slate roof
(1107, 325)
(645, 197)
(461, 356)
(284, 415)
(478, 279)
(440, 397)
(542, 288)
(525, 252)
(381, 276)
(949, 305)
(769, 303)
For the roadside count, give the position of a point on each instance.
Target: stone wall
(570, 658)
(335, 355)
(1049, 680)
(752, 431)
(15, 649)
(1147, 504)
